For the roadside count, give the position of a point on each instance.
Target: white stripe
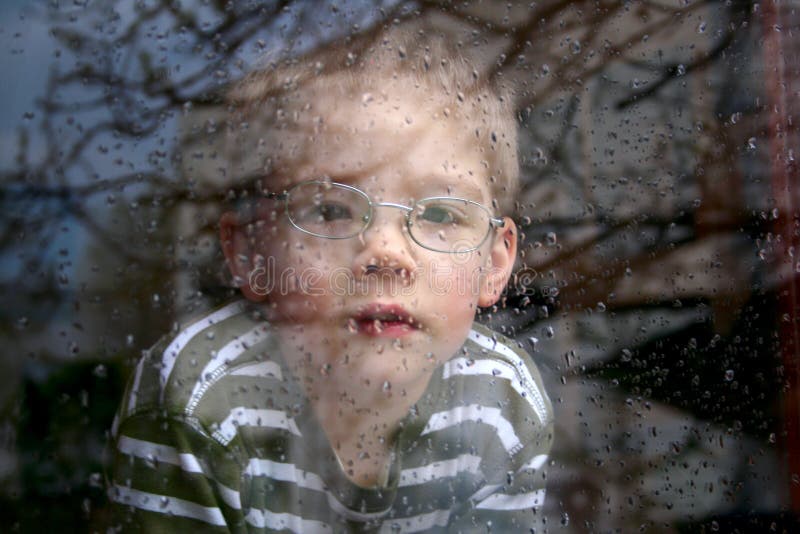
(484, 492)
(115, 425)
(225, 355)
(495, 368)
(465, 463)
(306, 479)
(166, 505)
(173, 349)
(156, 452)
(275, 521)
(480, 414)
(535, 395)
(169, 455)
(537, 462)
(241, 416)
(284, 472)
(137, 378)
(417, 523)
(265, 369)
(521, 501)
(229, 496)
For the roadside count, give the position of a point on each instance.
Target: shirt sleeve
(518, 426)
(512, 504)
(168, 476)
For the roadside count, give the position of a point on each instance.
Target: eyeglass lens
(338, 212)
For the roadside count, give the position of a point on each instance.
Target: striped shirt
(213, 434)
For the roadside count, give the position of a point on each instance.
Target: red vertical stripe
(781, 45)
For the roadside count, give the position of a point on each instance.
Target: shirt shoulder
(490, 357)
(201, 373)
(485, 413)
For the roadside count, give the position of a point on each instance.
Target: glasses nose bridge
(402, 207)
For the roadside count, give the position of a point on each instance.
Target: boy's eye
(330, 211)
(440, 214)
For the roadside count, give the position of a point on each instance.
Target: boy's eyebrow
(454, 188)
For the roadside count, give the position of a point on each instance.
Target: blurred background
(657, 284)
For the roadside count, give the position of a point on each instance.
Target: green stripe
(226, 465)
(134, 520)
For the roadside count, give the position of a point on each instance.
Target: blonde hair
(399, 62)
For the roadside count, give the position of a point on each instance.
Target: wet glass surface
(655, 280)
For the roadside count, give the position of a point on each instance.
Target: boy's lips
(385, 320)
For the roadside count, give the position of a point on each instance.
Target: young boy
(350, 390)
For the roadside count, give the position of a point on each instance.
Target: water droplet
(386, 387)
(96, 480)
(735, 117)
(681, 69)
(210, 335)
(601, 307)
(100, 371)
(751, 143)
(532, 341)
(129, 340)
(701, 28)
(549, 332)
(551, 238)
(22, 323)
(729, 375)
(545, 69)
(565, 519)
(626, 355)
(575, 47)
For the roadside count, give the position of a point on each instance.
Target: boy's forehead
(384, 142)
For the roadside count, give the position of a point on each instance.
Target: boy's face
(375, 306)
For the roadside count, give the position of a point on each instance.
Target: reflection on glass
(384, 409)
(653, 288)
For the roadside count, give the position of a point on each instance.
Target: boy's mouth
(381, 320)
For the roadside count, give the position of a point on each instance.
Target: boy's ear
(238, 255)
(502, 256)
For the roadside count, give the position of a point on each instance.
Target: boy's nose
(385, 244)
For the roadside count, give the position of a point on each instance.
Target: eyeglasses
(332, 210)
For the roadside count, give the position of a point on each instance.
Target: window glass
(653, 285)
